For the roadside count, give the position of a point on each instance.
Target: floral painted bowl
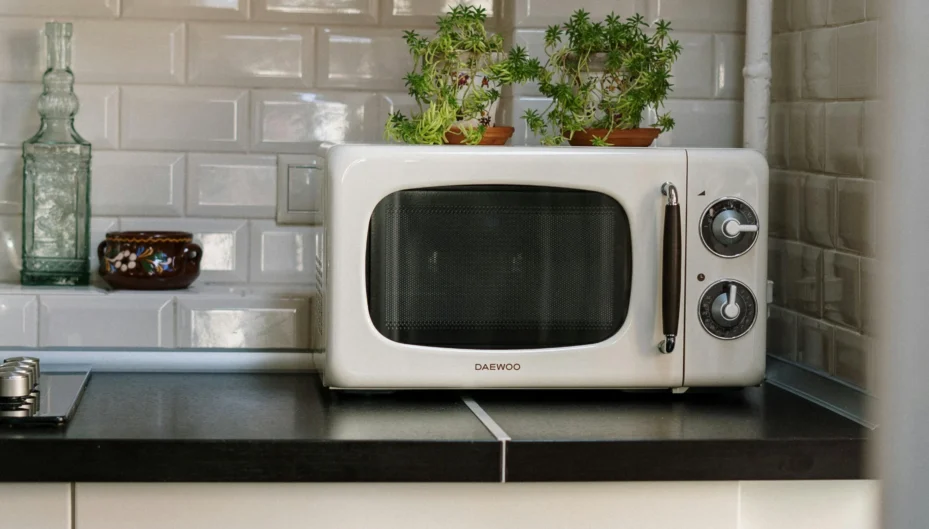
(149, 260)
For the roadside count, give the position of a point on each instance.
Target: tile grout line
(493, 428)
(73, 524)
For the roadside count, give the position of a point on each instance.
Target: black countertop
(236, 427)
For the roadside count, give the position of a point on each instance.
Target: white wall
(188, 104)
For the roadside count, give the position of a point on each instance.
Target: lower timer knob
(728, 309)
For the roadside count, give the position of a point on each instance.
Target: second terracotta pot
(492, 136)
(617, 138)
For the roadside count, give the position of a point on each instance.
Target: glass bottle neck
(58, 39)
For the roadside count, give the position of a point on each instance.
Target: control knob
(728, 309)
(729, 227)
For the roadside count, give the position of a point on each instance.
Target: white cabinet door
(406, 506)
(694, 505)
(35, 505)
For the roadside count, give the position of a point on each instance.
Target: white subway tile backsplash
(367, 58)
(136, 320)
(297, 73)
(297, 122)
(61, 8)
(18, 113)
(255, 55)
(316, 11)
(857, 61)
(704, 15)
(227, 322)
(282, 254)
(99, 227)
(807, 137)
(779, 129)
(224, 243)
(780, 66)
(19, 321)
(412, 13)
(704, 123)
(806, 14)
(138, 184)
(513, 114)
(544, 13)
(10, 247)
(533, 40)
(380, 108)
(186, 9)
(845, 11)
(727, 68)
(873, 138)
(299, 189)
(786, 66)
(781, 22)
(694, 75)
(22, 47)
(232, 185)
(844, 149)
(304, 189)
(184, 118)
(11, 181)
(819, 64)
(128, 52)
(97, 120)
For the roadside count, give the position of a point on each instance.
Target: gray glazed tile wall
(824, 184)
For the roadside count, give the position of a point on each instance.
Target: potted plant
(601, 78)
(456, 81)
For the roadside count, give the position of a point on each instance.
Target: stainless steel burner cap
(14, 384)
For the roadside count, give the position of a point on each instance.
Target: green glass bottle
(56, 178)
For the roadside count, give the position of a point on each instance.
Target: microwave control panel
(726, 268)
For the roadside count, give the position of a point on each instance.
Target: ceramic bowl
(149, 260)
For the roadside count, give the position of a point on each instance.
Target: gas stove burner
(30, 395)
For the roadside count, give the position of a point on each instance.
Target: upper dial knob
(729, 227)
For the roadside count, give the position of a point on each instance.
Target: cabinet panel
(36, 505)
(407, 506)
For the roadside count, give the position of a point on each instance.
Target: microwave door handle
(671, 269)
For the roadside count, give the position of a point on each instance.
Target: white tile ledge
(173, 360)
(220, 319)
(206, 290)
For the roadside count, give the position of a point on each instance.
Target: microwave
(541, 267)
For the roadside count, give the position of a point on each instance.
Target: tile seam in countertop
(492, 427)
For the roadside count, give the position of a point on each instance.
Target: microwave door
(499, 267)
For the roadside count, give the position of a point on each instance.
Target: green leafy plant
(456, 79)
(603, 75)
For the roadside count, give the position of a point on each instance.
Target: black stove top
(52, 401)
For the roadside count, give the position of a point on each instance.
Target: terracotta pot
(149, 260)
(492, 136)
(618, 138)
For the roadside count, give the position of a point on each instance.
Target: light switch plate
(299, 189)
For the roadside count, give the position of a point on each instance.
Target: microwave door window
(498, 267)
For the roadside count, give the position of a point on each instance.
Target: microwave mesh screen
(496, 267)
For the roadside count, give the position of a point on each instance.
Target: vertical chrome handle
(672, 254)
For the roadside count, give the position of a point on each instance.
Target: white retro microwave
(532, 267)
